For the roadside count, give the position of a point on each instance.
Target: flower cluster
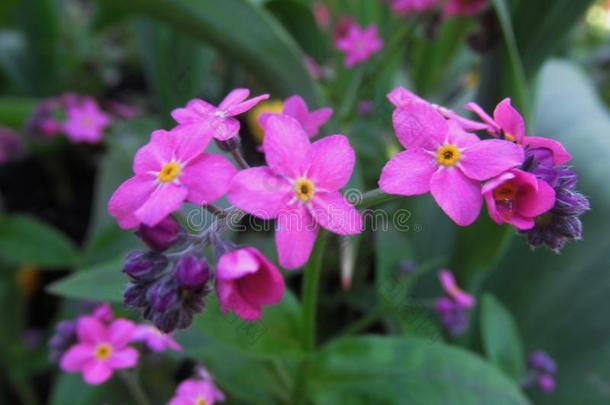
(96, 344)
(523, 179)
(452, 307)
(541, 369)
(78, 117)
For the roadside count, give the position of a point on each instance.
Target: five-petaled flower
(197, 392)
(443, 159)
(359, 44)
(85, 122)
(170, 169)
(100, 349)
(300, 187)
(295, 106)
(219, 122)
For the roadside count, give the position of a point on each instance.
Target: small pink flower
(517, 197)
(359, 44)
(100, 349)
(85, 122)
(103, 313)
(403, 7)
(451, 288)
(245, 281)
(154, 339)
(300, 187)
(295, 106)
(321, 14)
(170, 169)
(342, 28)
(509, 124)
(197, 392)
(443, 159)
(468, 8)
(218, 122)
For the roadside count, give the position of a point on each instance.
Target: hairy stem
(134, 387)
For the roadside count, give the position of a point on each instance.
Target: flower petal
(121, 332)
(75, 358)
(510, 120)
(295, 234)
(486, 159)
(157, 152)
(246, 105)
(96, 372)
(316, 119)
(123, 358)
(90, 330)
(129, 197)
(207, 178)
(195, 110)
(333, 212)
(457, 195)
(224, 128)
(419, 126)
(259, 192)
(560, 153)
(332, 161)
(401, 97)
(286, 146)
(408, 173)
(164, 200)
(537, 203)
(234, 97)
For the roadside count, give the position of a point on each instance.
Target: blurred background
(139, 59)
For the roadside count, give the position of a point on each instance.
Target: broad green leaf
(558, 300)
(500, 337)
(104, 282)
(27, 240)
(389, 370)
(240, 30)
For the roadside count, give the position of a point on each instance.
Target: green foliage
(103, 282)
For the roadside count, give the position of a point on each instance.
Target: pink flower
(464, 7)
(170, 169)
(443, 159)
(205, 119)
(245, 281)
(509, 124)
(100, 349)
(85, 122)
(359, 44)
(403, 7)
(321, 14)
(103, 313)
(451, 288)
(300, 187)
(197, 392)
(342, 28)
(517, 197)
(154, 339)
(295, 106)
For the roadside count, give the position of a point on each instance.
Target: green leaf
(388, 370)
(500, 337)
(241, 31)
(558, 300)
(104, 282)
(27, 240)
(14, 111)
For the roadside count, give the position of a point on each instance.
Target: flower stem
(375, 197)
(309, 294)
(134, 387)
(239, 159)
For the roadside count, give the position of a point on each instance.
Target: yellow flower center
(201, 401)
(304, 189)
(448, 155)
(169, 172)
(103, 351)
(269, 106)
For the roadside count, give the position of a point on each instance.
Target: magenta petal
(333, 212)
(316, 119)
(123, 358)
(90, 330)
(408, 173)
(537, 203)
(510, 120)
(419, 125)
(189, 144)
(246, 105)
(236, 264)
(157, 152)
(520, 222)
(75, 358)
(270, 280)
(401, 97)
(296, 107)
(295, 234)
(286, 146)
(96, 372)
(195, 110)
(260, 192)
(486, 159)
(560, 153)
(129, 197)
(224, 128)
(207, 178)
(457, 195)
(164, 200)
(120, 332)
(233, 98)
(332, 161)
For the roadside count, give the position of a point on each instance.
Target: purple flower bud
(167, 321)
(228, 145)
(570, 228)
(566, 178)
(570, 203)
(453, 316)
(62, 339)
(546, 383)
(192, 272)
(141, 266)
(134, 295)
(541, 361)
(163, 294)
(161, 236)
